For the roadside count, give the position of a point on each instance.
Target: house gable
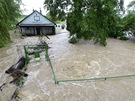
(36, 19)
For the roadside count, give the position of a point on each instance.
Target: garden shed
(36, 24)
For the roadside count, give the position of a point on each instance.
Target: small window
(27, 27)
(36, 18)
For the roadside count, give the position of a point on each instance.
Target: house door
(38, 30)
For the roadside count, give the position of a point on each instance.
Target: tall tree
(129, 19)
(10, 10)
(131, 6)
(95, 19)
(56, 9)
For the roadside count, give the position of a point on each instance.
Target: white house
(60, 27)
(36, 24)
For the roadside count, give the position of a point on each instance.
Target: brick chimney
(40, 10)
(33, 10)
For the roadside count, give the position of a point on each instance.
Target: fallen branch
(17, 76)
(15, 95)
(2, 86)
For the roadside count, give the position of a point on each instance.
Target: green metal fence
(73, 80)
(37, 54)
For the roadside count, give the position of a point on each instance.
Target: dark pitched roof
(34, 24)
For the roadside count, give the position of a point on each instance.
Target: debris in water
(15, 95)
(17, 76)
(2, 86)
(19, 65)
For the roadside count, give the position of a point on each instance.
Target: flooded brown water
(82, 60)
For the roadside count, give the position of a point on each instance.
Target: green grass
(61, 22)
(21, 17)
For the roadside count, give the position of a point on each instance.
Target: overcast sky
(32, 4)
(37, 4)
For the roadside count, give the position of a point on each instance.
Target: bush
(124, 38)
(73, 40)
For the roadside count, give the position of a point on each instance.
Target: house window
(27, 27)
(36, 18)
(28, 31)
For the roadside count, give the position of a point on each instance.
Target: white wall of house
(36, 18)
(58, 28)
(35, 21)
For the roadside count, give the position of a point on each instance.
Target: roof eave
(35, 25)
(31, 14)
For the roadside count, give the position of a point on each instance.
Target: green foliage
(123, 38)
(9, 11)
(95, 19)
(56, 9)
(73, 40)
(132, 5)
(129, 22)
(129, 19)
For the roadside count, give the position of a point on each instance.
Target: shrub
(124, 38)
(73, 40)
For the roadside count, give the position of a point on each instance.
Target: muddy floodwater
(82, 60)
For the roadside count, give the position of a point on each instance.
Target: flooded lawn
(82, 60)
